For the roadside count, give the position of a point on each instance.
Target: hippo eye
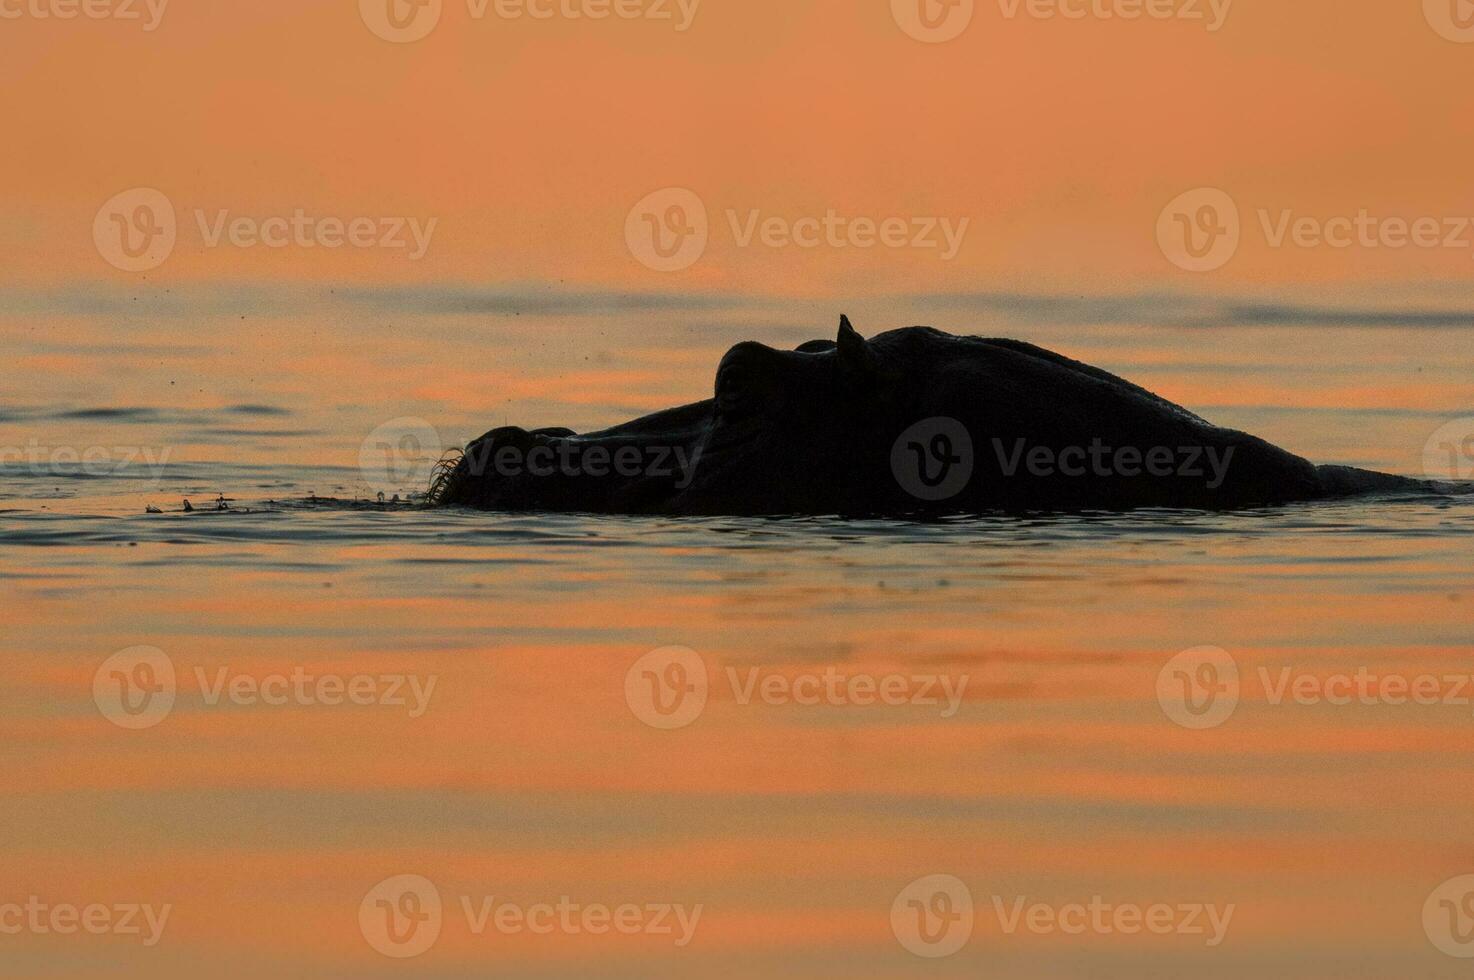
(731, 389)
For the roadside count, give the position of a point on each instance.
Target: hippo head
(807, 431)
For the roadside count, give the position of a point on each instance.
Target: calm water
(528, 773)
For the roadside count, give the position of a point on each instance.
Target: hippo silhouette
(913, 422)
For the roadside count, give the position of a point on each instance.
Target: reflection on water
(515, 761)
(528, 776)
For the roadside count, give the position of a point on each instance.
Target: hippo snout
(510, 468)
(508, 453)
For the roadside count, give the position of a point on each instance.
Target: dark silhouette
(913, 422)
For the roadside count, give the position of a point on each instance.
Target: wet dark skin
(815, 431)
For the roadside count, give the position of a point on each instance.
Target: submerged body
(912, 422)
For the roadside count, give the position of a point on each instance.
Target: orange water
(530, 777)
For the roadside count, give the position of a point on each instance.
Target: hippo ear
(856, 358)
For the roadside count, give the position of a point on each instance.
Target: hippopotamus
(912, 422)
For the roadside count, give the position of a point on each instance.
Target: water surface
(530, 777)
